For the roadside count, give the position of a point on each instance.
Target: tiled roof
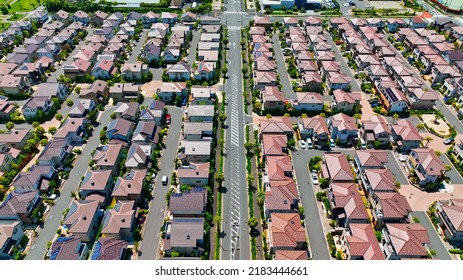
(286, 230)
(362, 242)
(408, 239)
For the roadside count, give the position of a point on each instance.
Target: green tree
(219, 178)
(70, 103)
(222, 118)
(260, 198)
(52, 130)
(43, 142)
(252, 223)
(35, 124)
(428, 139)
(395, 117)
(59, 117)
(9, 126)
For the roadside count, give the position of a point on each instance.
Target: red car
(339, 42)
(168, 119)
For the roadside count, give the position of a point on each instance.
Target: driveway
(315, 231)
(47, 233)
(136, 50)
(193, 45)
(281, 67)
(155, 218)
(395, 166)
(436, 243)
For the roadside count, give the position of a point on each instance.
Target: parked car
(168, 119)
(314, 178)
(449, 141)
(403, 158)
(332, 144)
(302, 144)
(164, 180)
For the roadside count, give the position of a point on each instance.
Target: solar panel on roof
(96, 251)
(391, 95)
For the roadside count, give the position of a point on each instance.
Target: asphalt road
(235, 241)
(316, 234)
(136, 50)
(454, 176)
(436, 243)
(39, 246)
(154, 220)
(193, 45)
(394, 166)
(281, 67)
(344, 67)
(450, 116)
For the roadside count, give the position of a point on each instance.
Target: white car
(302, 144)
(346, 5)
(403, 158)
(314, 177)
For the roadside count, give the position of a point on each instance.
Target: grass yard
(4, 26)
(23, 5)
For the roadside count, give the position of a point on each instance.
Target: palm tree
(261, 198)
(436, 118)
(447, 168)
(396, 117)
(428, 139)
(420, 126)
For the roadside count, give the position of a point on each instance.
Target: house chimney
(93, 183)
(84, 218)
(123, 220)
(129, 186)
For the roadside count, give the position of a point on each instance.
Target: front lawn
(23, 6)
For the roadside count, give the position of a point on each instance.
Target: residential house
(308, 102)
(196, 174)
(19, 206)
(96, 182)
(405, 135)
(134, 71)
(68, 248)
(130, 186)
(81, 16)
(179, 72)
(125, 92)
(369, 159)
(359, 243)
(104, 69)
(82, 219)
(108, 157)
(119, 222)
(11, 234)
(98, 91)
(286, 232)
(276, 125)
(405, 241)
(121, 129)
(51, 90)
(8, 155)
(169, 91)
(185, 236)
(204, 71)
(55, 153)
(427, 165)
(98, 18)
(14, 84)
(16, 138)
(191, 203)
(155, 113)
(200, 113)
(263, 79)
(37, 178)
(346, 204)
(390, 207)
(344, 102)
(6, 109)
(394, 100)
(336, 167)
(139, 156)
(417, 22)
(420, 99)
(73, 130)
(109, 248)
(291, 255)
(376, 131)
(274, 145)
(197, 130)
(314, 128)
(202, 95)
(273, 99)
(281, 197)
(77, 68)
(277, 168)
(196, 151)
(449, 215)
(343, 128)
(127, 110)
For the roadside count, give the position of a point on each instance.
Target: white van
(309, 143)
(363, 145)
(164, 180)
